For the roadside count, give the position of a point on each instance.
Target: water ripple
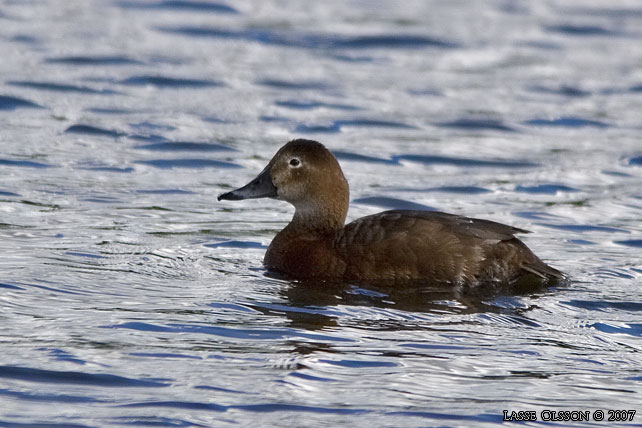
(582, 30)
(181, 5)
(166, 192)
(465, 162)
(237, 244)
(637, 160)
(86, 255)
(7, 424)
(13, 103)
(358, 364)
(93, 60)
(309, 105)
(62, 355)
(564, 90)
(53, 398)
(465, 190)
(189, 405)
(78, 378)
(60, 87)
(148, 126)
(477, 124)
(377, 123)
(153, 421)
(299, 85)
(10, 286)
(125, 170)
(176, 146)
(350, 156)
(168, 82)
(601, 305)
(337, 125)
(391, 203)
(254, 334)
(547, 189)
(582, 228)
(482, 417)
(311, 377)
(258, 408)
(392, 41)
(469, 190)
(23, 163)
(196, 163)
(629, 329)
(279, 407)
(163, 355)
(568, 122)
(637, 243)
(334, 127)
(109, 110)
(93, 130)
(328, 42)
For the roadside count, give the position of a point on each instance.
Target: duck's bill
(260, 187)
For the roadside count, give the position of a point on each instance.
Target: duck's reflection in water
(317, 304)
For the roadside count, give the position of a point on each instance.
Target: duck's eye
(295, 162)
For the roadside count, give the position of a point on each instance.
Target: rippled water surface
(131, 297)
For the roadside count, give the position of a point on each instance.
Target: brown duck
(397, 245)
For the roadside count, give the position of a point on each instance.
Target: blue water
(131, 297)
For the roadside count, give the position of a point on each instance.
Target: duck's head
(305, 174)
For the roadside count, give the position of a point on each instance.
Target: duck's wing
(433, 244)
(474, 227)
(395, 221)
(490, 231)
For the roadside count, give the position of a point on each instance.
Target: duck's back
(441, 247)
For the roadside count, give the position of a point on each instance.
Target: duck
(395, 245)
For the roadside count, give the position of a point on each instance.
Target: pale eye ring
(294, 162)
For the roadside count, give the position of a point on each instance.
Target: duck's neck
(304, 248)
(318, 218)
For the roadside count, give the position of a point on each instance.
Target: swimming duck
(393, 245)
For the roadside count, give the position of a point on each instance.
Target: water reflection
(318, 304)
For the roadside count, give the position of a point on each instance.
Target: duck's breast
(304, 256)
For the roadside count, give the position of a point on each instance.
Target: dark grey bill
(260, 187)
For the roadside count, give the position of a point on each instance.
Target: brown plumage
(397, 245)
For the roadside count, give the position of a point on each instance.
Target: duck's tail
(528, 263)
(532, 264)
(544, 271)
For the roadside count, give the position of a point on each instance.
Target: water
(131, 297)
